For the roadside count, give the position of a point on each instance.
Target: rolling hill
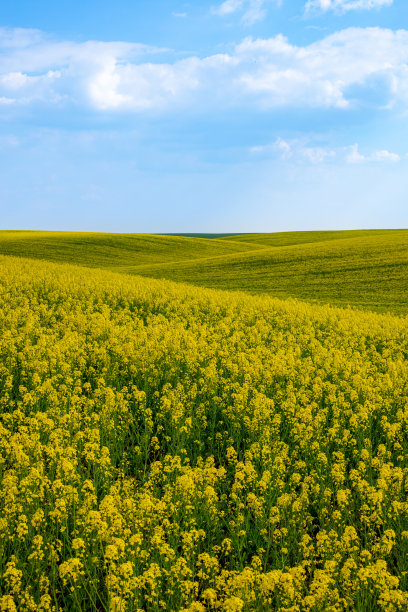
(112, 251)
(367, 269)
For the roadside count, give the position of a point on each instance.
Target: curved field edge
(176, 448)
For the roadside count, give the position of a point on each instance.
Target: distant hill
(112, 251)
(204, 235)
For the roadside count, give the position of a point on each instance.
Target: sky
(204, 116)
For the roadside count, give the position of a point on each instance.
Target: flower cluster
(165, 447)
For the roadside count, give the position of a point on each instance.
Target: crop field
(367, 269)
(166, 446)
(121, 252)
(368, 272)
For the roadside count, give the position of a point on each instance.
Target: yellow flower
(233, 604)
(71, 570)
(7, 604)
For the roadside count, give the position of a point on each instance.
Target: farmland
(122, 252)
(368, 272)
(165, 446)
(367, 269)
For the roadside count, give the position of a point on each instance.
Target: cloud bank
(340, 71)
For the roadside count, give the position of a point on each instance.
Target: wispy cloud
(252, 10)
(296, 150)
(6, 101)
(353, 156)
(300, 150)
(9, 141)
(343, 6)
(339, 71)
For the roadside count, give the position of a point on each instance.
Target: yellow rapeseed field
(165, 447)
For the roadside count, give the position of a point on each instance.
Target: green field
(112, 251)
(367, 269)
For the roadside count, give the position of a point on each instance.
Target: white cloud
(299, 150)
(19, 37)
(296, 149)
(103, 89)
(317, 155)
(338, 71)
(27, 89)
(253, 10)
(228, 7)
(284, 147)
(4, 100)
(322, 74)
(342, 6)
(353, 156)
(385, 156)
(90, 72)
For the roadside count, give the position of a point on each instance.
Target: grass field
(367, 269)
(171, 447)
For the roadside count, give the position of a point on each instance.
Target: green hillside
(112, 251)
(278, 239)
(367, 269)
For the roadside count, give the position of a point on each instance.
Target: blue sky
(173, 116)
